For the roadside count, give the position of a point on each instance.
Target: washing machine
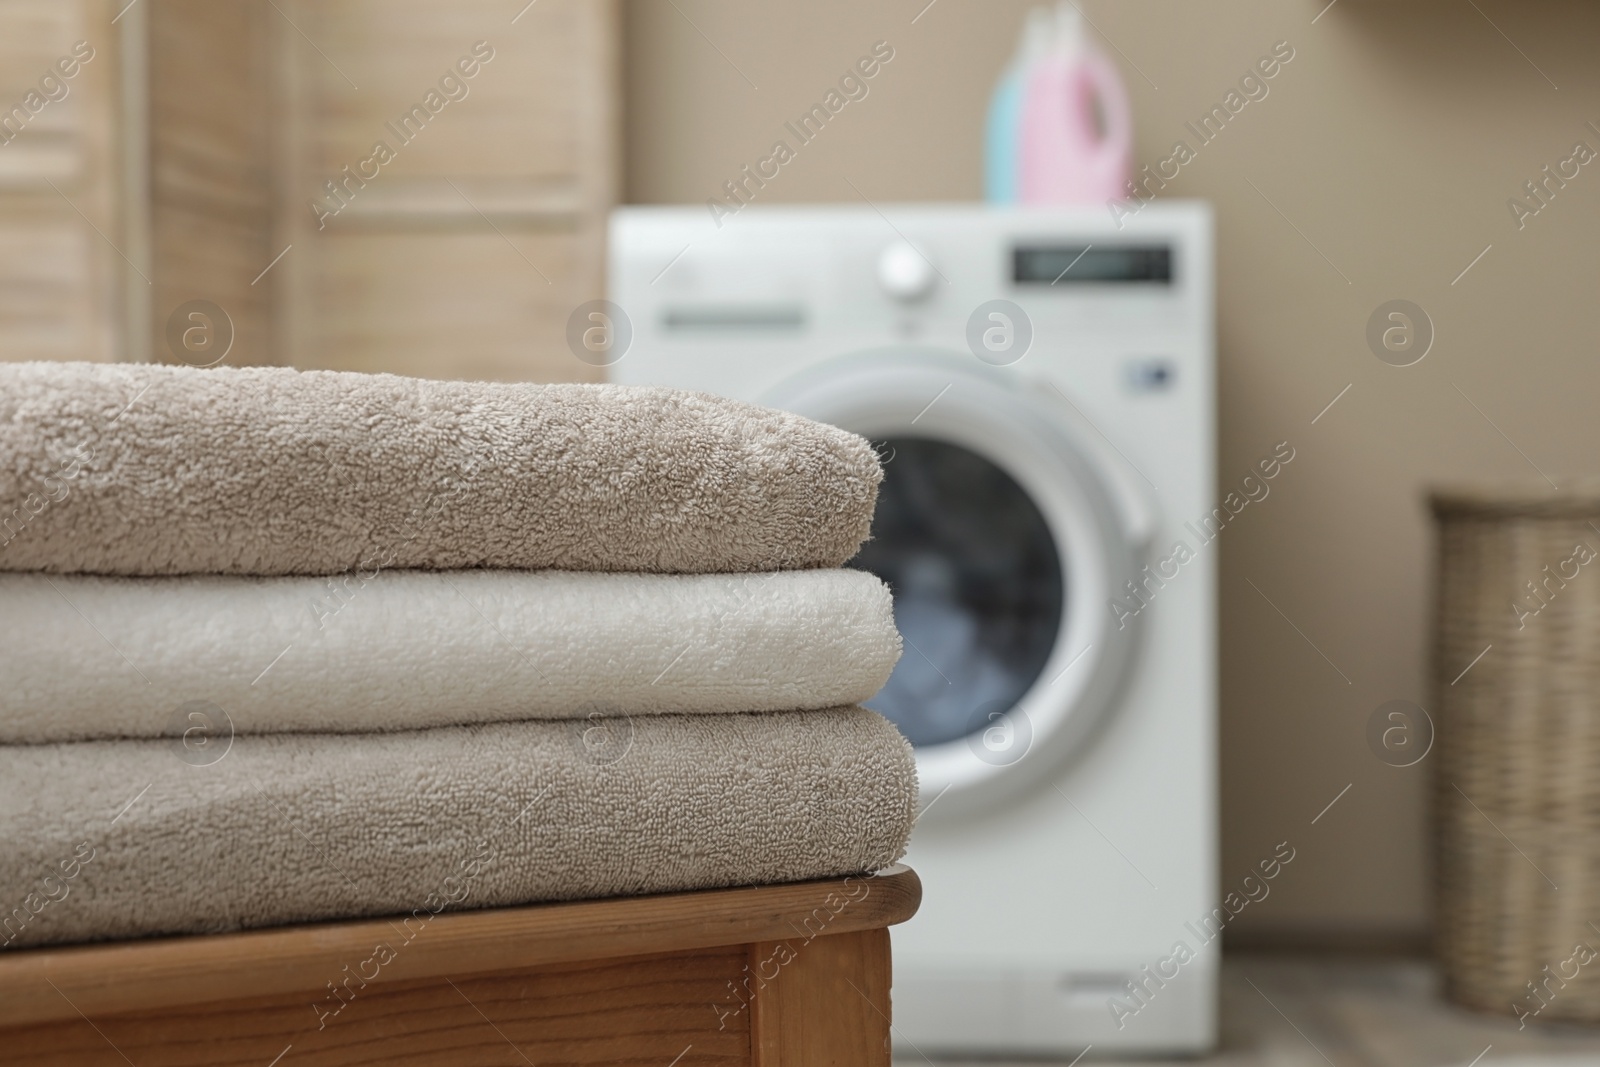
(1040, 386)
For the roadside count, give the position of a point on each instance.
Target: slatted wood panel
(212, 187)
(463, 255)
(61, 277)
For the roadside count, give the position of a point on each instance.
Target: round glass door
(1002, 545)
(979, 592)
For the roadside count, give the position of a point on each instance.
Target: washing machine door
(1004, 527)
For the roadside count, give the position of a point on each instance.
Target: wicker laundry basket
(1517, 792)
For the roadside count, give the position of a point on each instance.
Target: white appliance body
(1068, 839)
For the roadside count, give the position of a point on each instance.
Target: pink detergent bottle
(1076, 142)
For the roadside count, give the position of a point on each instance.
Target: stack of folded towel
(280, 646)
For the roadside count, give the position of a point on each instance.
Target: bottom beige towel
(111, 839)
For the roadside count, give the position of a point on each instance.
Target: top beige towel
(144, 469)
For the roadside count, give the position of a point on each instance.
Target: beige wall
(1392, 141)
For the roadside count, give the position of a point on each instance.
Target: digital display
(1091, 264)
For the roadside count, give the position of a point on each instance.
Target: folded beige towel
(146, 469)
(109, 839)
(85, 657)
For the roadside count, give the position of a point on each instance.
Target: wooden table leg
(826, 1003)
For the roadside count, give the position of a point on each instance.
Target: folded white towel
(85, 657)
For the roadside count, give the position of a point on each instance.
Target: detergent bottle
(1075, 135)
(1003, 130)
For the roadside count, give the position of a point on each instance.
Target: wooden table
(794, 975)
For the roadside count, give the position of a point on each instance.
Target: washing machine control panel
(737, 306)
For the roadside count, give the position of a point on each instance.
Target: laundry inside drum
(978, 587)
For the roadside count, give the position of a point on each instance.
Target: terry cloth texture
(297, 828)
(86, 657)
(148, 469)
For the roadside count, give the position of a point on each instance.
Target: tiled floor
(1364, 1013)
